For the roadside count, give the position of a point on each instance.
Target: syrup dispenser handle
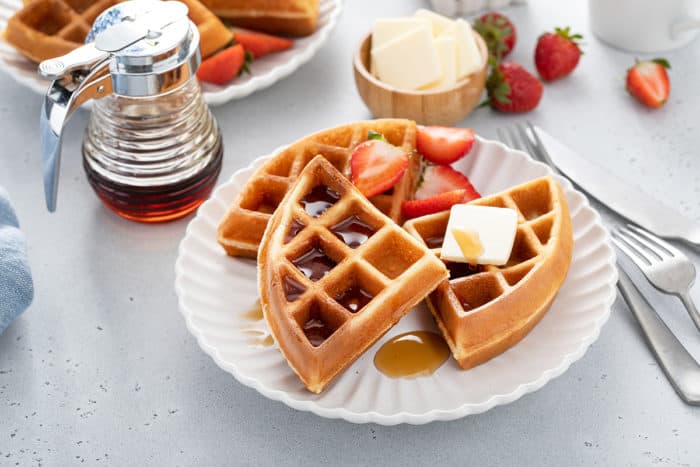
(66, 94)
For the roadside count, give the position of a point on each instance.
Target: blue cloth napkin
(16, 287)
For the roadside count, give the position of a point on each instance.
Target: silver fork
(666, 268)
(681, 369)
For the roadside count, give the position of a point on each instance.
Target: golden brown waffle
(482, 311)
(243, 225)
(45, 29)
(335, 274)
(286, 17)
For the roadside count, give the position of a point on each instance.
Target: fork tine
(632, 252)
(642, 242)
(503, 136)
(515, 139)
(665, 246)
(525, 138)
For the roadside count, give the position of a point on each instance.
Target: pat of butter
(469, 57)
(408, 61)
(384, 30)
(440, 23)
(446, 50)
(494, 228)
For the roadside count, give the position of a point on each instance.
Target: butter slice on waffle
(242, 227)
(44, 29)
(483, 311)
(335, 274)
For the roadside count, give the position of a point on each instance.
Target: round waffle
(242, 227)
(482, 311)
(335, 274)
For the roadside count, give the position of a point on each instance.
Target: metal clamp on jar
(152, 150)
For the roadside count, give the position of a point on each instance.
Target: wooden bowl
(433, 107)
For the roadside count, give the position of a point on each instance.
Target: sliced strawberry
(437, 203)
(439, 179)
(443, 145)
(224, 66)
(260, 44)
(377, 166)
(648, 82)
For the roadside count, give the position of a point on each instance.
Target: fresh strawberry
(512, 88)
(224, 66)
(443, 145)
(259, 44)
(437, 179)
(648, 82)
(442, 202)
(557, 53)
(377, 165)
(498, 33)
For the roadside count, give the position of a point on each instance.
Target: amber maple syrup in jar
(153, 159)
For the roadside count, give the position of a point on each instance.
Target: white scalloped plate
(215, 291)
(264, 72)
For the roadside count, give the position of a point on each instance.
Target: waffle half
(44, 29)
(335, 274)
(483, 311)
(242, 227)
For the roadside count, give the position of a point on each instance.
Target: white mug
(645, 25)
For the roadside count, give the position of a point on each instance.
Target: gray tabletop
(101, 369)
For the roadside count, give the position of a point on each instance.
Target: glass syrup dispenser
(152, 150)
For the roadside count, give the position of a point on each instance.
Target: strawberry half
(260, 44)
(442, 202)
(557, 53)
(440, 188)
(377, 165)
(648, 82)
(511, 88)
(498, 33)
(438, 179)
(224, 66)
(442, 145)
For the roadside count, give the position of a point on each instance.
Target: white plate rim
(213, 95)
(404, 416)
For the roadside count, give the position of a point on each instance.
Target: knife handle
(681, 369)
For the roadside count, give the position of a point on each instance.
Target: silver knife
(628, 201)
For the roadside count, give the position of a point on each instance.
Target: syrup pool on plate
(412, 354)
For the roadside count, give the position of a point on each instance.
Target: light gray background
(101, 368)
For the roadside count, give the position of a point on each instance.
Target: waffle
(484, 310)
(286, 17)
(242, 227)
(335, 274)
(44, 29)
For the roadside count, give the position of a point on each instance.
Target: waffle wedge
(286, 17)
(44, 29)
(482, 311)
(242, 227)
(335, 274)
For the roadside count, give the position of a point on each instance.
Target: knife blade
(628, 201)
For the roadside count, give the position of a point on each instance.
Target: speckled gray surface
(101, 369)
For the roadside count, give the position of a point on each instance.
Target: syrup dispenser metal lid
(137, 48)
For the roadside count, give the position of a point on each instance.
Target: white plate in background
(264, 72)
